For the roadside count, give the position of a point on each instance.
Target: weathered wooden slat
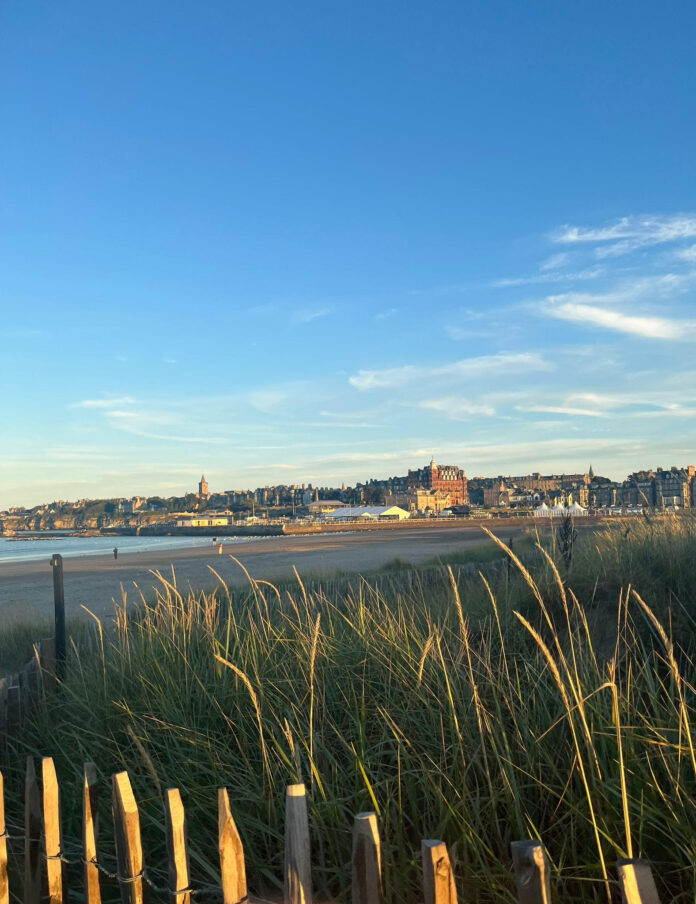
(32, 836)
(438, 878)
(298, 873)
(4, 684)
(232, 867)
(4, 883)
(90, 833)
(52, 832)
(637, 882)
(129, 848)
(14, 707)
(367, 860)
(532, 872)
(177, 853)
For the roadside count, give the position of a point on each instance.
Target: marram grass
(472, 710)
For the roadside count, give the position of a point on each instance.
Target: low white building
(214, 521)
(560, 511)
(368, 513)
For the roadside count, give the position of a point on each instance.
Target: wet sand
(26, 588)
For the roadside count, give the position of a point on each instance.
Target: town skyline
(204, 492)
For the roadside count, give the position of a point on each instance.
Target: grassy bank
(428, 700)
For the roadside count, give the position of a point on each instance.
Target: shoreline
(95, 581)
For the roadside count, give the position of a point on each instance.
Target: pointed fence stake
(232, 868)
(177, 854)
(90, 833)
(438, 879)
(52, 832)
(532, 872)
(4, 884)
(298, 873)
(367, 860)
(129, 849)
(637, 882)
(32, 836)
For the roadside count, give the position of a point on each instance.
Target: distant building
(673, 488)
(203, 487)
(420, 500)
(445, 478)
(213, 521)
(498, 495)
(369, 513)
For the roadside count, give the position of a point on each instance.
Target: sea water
(43, 546)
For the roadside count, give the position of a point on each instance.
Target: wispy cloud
(147, 424)
(561, 409)
(549, 277)
(459, 333)
(383, 315)
(105, 403)
(458, 408)
(687, 254)
(629, 233)
(307, 315)
(645, 326)
(555, 262)
(395, 377)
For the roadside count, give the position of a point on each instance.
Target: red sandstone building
(446, 478)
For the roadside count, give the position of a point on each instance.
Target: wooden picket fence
(21, 690)
(46, 862)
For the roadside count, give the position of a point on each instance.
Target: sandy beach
(96, 581)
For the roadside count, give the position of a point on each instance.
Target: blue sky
(321, 242)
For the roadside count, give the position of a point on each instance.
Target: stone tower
(203, 487)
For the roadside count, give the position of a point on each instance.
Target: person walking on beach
(115, 552)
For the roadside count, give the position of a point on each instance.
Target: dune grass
(477, 714)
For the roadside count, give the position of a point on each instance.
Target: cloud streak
(549, 277)
(105, 404)
(396, 377)
(458, 408)
(645, 326)
(629, 233)
(308, 315)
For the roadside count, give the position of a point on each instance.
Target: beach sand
(95, 581)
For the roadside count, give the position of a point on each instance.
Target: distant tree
(373, 495)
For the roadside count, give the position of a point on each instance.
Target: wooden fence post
(32, 836)
(129, 849)
(4, 885)
(177, 853)
(298, 872)
(367, 860)
(47, 661)
(59, 604)
(532, 872)
(637, 882)
(438, 878)
(90, 833)
(232, 868)
(52, 832)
